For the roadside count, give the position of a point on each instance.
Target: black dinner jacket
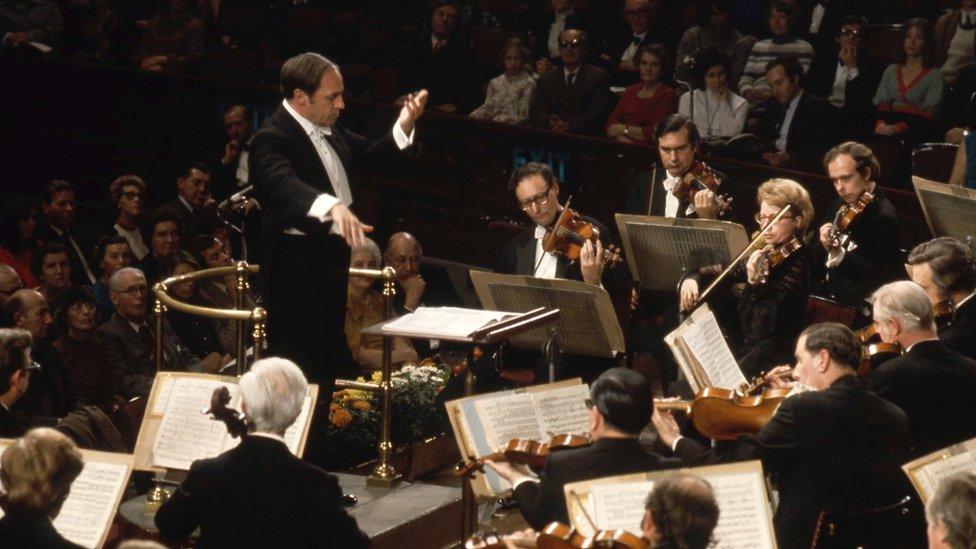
(19, 531)
(586, 106)
(960, 335)
(544, 502)
(812, 130)
(518, 256)
(936, 387)
(836, 449)
(857, 114)
(540, 33)
(447, 74)
(259, 495)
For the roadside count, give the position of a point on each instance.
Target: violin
(725, 414)
(874, 352)
(570, 233)
(557, 535)
(701, 178)
(525, 452)
(773, 256)
(235, 421)
(846, 215)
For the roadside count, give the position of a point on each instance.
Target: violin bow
(582, 508)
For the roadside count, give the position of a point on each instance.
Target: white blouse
(716, 119)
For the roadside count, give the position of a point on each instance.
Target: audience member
(231, 174)
(903, 315)
(18, 227)
(129, 194)
(403, 253)
(51, 267)
(172, 41)
(820, 21)
(192, 199)
(911, 88)
(955, 38)
(719, 113)
(196, 332)
(209, 253)
(364, 307)
(951, 513)
(714, 32)
(23, 22)
(9, 283)
(84, 357)
(754, 84)
(680, 511)
(944, 268)
(162, 232)
(575, 98)
(36, 471)
(548, 33)
(112, 253)
(16, 369)
(508, 95)
(620, 57)
(645, 104)
(58, 205)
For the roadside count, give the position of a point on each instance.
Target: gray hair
(907, 302)
(370, 246)
(954, 506)
(273, 392)
(115, 282)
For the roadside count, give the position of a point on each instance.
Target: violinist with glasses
(945, 269)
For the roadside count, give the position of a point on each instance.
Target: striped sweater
(764, 51)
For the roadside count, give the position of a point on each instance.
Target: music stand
(657, 248)
(950, 210)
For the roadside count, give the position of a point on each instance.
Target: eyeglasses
(81, 306)
(574, 43)
(20, 286)
(850, 32)
(589, 404)
(539, 200)
(131, 195)
(133, 290)
(32, 367)
(763, 219)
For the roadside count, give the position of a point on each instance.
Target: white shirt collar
(306, 124)
(539, 232)
(266, 434)
(922, 341)
(670, 181)
(795, 101)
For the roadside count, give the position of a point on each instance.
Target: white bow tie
(539, 232)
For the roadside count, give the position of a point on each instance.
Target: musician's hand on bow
(753, 267)
(591, 262)
(704, 203)
(780, 377)
(349, 226)
(688, 293)
(667, 428)
(413, 107)
(825, 239)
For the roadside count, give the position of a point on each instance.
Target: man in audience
(9, 283)
(575, 99)
(26, 21)
(936, 387)
(231, 173)
(620, 48)
(548, 32)
(129, 195)
(714, 32)
(824, 456)
(112, 254)
(442, 63)
(193, 195)
(304, 502)
(51, 267)
(866, 255)
(944, 268)
(416, 286)
(58, 205)
(819, 21)
(797, 127)
(620, 407)
(951, 514)
(130, 338)
(955, 39)
(16, 368)
(680, 511)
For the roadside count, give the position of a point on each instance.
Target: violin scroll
(236, 424)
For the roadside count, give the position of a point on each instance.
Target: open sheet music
(482, 423)
(444, 322)
(745, 516)
(927, 471)
(90, 508)
(703, 354)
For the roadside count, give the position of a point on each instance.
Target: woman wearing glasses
(84, 356)
(771, 311)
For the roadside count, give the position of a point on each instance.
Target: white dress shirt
(544, 262)
(134, 238)
(843, 75)
(628, 54)
(784, 130)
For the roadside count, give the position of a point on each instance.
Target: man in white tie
(300, 164)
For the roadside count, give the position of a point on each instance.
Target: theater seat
(934, 161)
(882, 41)
(821, 309)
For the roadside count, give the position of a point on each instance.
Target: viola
(616, 539)
(725, 414)
(557, 535)
(874, 352)
(525, 452)
(235, 421)
(846, 216)
(569, 234)
(773, 256)
(701, 178)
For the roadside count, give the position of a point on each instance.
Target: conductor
(301, 165)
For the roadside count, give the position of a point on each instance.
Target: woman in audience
(36, 472)
(508, 95)
(112, 254)
(162, 232)
(84, 355)
(195, 331)
(209, 252)
(364, 307)
(911, 88)
(719, 113)
(782, 15)
(52, 269)
(173, 40)
(18, 227)
(646, 103)
(128, 194)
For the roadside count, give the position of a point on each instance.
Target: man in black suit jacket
(620, 47)
(835, 448)
(259, 494)
(301, 165)
(936, 387)
(15, 373)
(564, 16)
(58, 225)
(192, 195)
(620, 404)
(796, 126)
(945, 269)
(575, 98)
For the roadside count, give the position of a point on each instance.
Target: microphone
(236, 198)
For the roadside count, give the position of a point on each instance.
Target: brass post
(259, 317)
(242, 273)
(159, 310)
(384, 474)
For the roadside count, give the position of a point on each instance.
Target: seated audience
(719, 113)
(619, 409)
(754, 84)
(172, 41)
(955, 39)
(231, 174)
(112, 253)
(9, 283)
(84, 357)
(36, 471)
(129, 194)
(18, 241)
(951, 513)
(819, 21)
(911, 88)
(58, 225)
(903, 315)
(162, 232)
(364, 307)
(129, 337)
(209, 253)
(621, 48)
(645, 104)
(714, 32)
(548, 32)
(944, 268)
(192, 200)
(964, 164)
(307, 509)
(16, 369)
(508, 96)
(51, 267)
(416, 286)
(26, 21)
(196, 332)
(574, 99)
(680, 511)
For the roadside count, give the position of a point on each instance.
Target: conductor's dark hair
(790, 63)
(675, 123)
(304, 72)
(951, 262)
(838, 340)
(531, 169)
(623, 398)
(684, 511)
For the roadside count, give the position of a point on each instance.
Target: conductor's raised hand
(349, 226)
(413, 107)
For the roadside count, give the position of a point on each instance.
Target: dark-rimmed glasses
(574, 43)
(539, 200)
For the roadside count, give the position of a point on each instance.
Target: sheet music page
(563, 411)
(508, 417)
(293, 435)
(933, 473)
(704, 338)
(742, 503)
(165, 389)
(620, 505)
(185, 433)
(441, 322)
(90, 506)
